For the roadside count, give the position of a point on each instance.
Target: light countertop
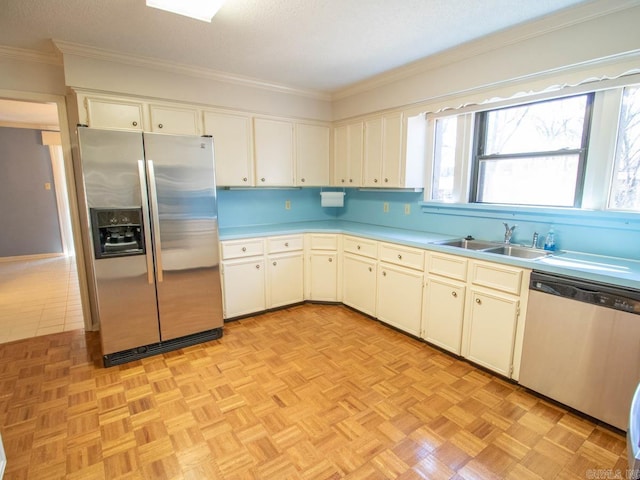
(611, 270)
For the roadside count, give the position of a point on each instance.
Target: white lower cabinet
(285, 274)
(323, 285)
(359, 283)
(254, 281)
(491, 329)
(399, 298)
(469, 307)
(244, 286)
(323, 264)
(443, 313)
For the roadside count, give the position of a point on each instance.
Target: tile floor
(38, 297)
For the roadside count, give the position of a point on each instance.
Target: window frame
(479, 144)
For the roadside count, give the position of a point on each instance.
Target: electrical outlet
(407, 208)
(287, 204)
(385, 207)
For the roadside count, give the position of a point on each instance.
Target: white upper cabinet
(232, 148)
(394, 151)
(174, 120)
(383, 151)
(348, 146)
(114, 113)
(312, 155)
(273, 141)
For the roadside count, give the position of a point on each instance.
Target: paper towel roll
(332, 199)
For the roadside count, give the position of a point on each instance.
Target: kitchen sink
(517, 251)
(468, 244)
(520, 252)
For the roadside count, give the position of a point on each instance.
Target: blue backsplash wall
(258, 206)
(603, 233)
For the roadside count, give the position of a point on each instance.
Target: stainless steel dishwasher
(582, 345)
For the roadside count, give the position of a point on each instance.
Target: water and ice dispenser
(117, 232)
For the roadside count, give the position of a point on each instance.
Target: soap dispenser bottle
(550, 241)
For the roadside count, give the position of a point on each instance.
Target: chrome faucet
(508, 232)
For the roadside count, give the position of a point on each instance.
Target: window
(532, 154)
(625, 184)
(444, 160)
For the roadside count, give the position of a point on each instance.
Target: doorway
(40, 292)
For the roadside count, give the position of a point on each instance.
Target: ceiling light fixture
(199, 9)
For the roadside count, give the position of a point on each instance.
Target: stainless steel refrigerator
(151, 216)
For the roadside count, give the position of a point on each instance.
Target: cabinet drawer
(499, 277)
(448, 266)
(287, 243)
(321, 241)
(242, 248)
(405, 256)
(360, 246)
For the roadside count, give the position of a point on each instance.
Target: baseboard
(23, 258)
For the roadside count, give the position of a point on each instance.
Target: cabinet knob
(375, 180)
(351, 180)
(454, 294)
(342, 180)
(134, 123)
(384, 274)
(244, 249)
(302, 180)
(160, 125)
(275, 263)
(358, 247)
(330, 259)
(386, 180)
(478, 301)
(399, 257)
(370, 269)
(258, 267)
(286, 244)
(244, 179)
(262, 179)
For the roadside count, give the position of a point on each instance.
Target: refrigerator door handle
(153, 195)
(145, 220)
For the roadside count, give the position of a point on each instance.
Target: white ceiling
(322, 45)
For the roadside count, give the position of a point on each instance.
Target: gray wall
(28, 212)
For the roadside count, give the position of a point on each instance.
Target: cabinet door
(491, 325)
(372, 153)
(232, 148)
(354, 163)
(359, 283)
(443, 313)
(324, 276)
(285, 279)
(399, 299)
(340, 155)
(348, 148)
(176, 121)
(244, 287)
(312, 155)
(273, 152)
(391, 150)
(114, 114)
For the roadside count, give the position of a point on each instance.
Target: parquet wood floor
(311, 392)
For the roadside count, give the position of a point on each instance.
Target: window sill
(553, 215)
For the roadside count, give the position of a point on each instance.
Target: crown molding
(33, 56)
(547, 24)
(69, 48)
